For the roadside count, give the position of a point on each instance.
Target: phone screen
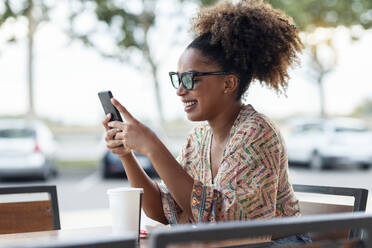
(108, 107)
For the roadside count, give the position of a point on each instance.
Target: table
(100, 233)
(71, 235)
(58, 237)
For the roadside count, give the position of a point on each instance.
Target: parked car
(112, 166)
(330, 143)
(27, 149)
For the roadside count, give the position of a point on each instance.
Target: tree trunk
(154, 70)
(322, 95)
(30, 58)
(159, 102)
(320, 74)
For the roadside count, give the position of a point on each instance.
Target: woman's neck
(221, 125)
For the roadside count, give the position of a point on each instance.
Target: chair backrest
(315, 204)
(20, 214)
(287, 226)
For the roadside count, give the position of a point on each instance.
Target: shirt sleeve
(172, 211)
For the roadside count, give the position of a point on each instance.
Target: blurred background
(55, 56)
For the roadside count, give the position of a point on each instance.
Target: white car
(329, 143)
(27, 148)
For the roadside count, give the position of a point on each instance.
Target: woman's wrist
(127, 156)
(153, 148)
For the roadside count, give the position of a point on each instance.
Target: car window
(349, 129)
(17, 133)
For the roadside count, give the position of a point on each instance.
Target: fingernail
(110, 124)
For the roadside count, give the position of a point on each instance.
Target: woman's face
(206, 100)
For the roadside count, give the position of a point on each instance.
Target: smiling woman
(235, 167)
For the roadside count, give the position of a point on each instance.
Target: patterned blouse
(252, 179)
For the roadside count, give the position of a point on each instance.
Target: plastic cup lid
(124, 189)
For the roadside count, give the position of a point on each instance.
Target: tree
(128, 25)
(318, 18)
(35, 12)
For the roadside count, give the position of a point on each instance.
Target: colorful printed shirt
(252, 179)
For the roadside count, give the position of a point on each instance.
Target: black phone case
(108, 107)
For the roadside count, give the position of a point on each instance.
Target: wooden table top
(57, 237)
(70, 235)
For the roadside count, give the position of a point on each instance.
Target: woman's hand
(132, 134)
(115, 146)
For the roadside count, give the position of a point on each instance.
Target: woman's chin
(194, 117)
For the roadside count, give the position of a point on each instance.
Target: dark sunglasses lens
(175, 81)
(187, 81)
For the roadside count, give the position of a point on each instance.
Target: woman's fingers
(119, 150)
(111, 133)
(127, 116)
(121, 135)
(106, 121)
(114, 144)
(116, 124)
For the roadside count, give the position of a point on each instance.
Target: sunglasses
(187, 78)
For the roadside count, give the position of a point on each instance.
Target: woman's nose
(181, 90)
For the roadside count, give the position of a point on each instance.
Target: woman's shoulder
(255, 124)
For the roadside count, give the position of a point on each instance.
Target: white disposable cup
(125, 208)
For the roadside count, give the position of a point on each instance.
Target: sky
(68, 77)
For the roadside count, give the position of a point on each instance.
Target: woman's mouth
(189, 105)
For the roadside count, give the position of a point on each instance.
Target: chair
(309, 207)
(38, 214)
(278, 226)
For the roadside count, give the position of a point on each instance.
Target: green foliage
(6, 13)
(327, 13)
(364, 109)
(117, 16)
(16, 9)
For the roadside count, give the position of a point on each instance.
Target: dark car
(112, 166)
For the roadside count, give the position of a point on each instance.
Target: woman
(236, 166)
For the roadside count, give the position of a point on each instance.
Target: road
(83, 200)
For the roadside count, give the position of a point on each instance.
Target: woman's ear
(231, 83)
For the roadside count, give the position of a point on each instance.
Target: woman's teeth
(187, 104)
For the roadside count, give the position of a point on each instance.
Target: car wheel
(105, 172)
(365, 166)
(316, 162)
(55, 172)
(45, 174)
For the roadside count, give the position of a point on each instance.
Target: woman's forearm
(177, 180)
(151, 200)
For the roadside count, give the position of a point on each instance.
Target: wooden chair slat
(21, 214)
(25, 217)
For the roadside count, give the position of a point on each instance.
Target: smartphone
(108, 107)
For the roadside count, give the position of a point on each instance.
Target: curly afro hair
(250, 39)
